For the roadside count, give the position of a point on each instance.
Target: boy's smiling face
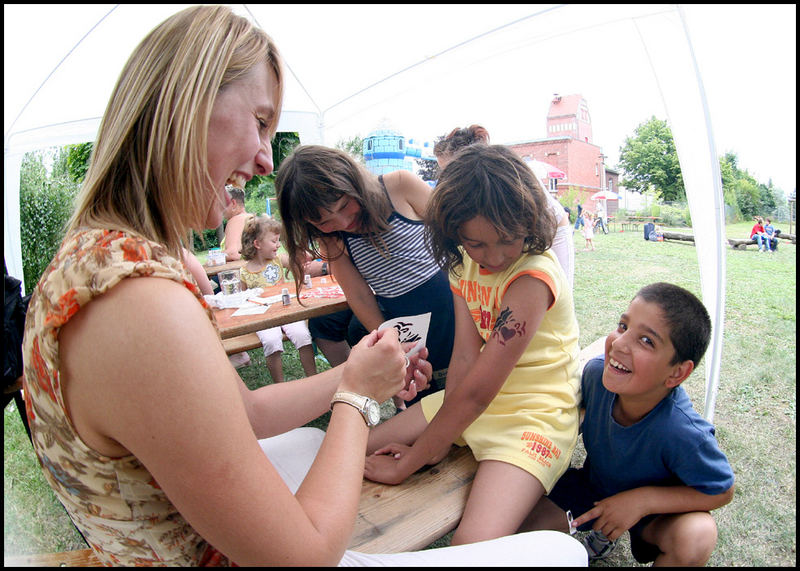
(639, 355)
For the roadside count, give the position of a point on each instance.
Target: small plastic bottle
(307, 281)
(285, 296)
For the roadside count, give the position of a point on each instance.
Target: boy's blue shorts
(574, 492)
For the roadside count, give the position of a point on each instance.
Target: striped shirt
(408, 264)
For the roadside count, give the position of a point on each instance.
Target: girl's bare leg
(501, 498)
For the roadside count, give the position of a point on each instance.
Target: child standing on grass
(265, 267)
(653, 466)
(512, 387)
(588, 231)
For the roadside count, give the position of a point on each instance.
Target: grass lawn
(755, 409)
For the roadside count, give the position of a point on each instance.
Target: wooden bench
(391, 519)
(741, 244)
(242, 343)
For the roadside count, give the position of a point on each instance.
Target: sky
(504, 79)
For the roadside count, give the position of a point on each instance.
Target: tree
(354, 147)
(260, 188)
(78, 157)
(745, 194)
(650, 161)
(46, 204)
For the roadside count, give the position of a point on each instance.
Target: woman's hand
(376, 366)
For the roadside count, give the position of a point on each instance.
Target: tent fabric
(347, 75)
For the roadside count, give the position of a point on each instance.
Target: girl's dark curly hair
(494, 182)
(315, 177)
(457, 139)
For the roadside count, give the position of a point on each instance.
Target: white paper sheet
(410, 328)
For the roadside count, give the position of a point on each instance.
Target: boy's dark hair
(494, 182)
(689, 323)
(237, 194)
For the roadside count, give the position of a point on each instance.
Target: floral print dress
(115, 502)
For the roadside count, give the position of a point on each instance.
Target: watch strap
(357, 401)
(353, 399)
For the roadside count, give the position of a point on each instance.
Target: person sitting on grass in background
(448, 145)
(265, 268)
(653, 466)
(236, 215)
(512, 386)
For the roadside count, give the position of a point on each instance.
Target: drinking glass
(229, 282)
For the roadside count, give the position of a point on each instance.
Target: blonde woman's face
(239, 145)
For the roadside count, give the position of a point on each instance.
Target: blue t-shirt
(671, 446)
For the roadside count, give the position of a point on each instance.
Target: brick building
(569, 147)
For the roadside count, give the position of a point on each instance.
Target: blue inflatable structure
(386, 150)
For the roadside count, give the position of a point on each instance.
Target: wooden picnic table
(279, 314)
(214, 270)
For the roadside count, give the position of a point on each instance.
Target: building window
(611, 184)
(596, 170)
(553, 185)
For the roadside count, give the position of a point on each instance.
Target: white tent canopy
(428, 68)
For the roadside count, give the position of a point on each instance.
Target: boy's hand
(615, 514)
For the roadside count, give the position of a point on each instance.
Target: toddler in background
(266, 267)
(588, 231)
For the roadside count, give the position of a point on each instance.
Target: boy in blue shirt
(653, 466)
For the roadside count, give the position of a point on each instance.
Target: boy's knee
(692, 539)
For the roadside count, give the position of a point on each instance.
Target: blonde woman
(143, 428)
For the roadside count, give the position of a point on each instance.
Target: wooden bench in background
(391, 519)
(736, 243)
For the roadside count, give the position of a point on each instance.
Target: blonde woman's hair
(149, 167)
(254, 228)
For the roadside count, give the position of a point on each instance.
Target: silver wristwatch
(369, 408)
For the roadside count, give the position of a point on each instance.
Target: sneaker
(597, 545)
(240, 360)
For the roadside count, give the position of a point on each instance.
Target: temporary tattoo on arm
(507, 327)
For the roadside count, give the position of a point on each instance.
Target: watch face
(374, 413)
